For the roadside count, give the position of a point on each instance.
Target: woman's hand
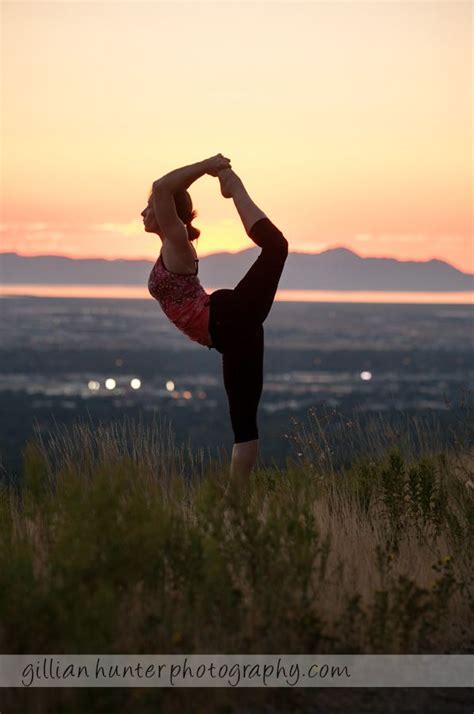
(215, 164)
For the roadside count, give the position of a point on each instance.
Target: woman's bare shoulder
(179, 258)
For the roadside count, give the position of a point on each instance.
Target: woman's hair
(185, 210)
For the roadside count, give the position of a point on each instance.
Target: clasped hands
(216, 164)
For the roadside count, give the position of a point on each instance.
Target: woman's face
(149, 219)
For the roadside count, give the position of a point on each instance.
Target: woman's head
(184, 208)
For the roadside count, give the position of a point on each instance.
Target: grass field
(118, 540)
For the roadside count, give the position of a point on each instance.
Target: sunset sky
(350, 123)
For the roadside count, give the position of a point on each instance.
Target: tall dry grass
(120, 540)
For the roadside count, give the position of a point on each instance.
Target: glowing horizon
(137, 292)
(349, 123)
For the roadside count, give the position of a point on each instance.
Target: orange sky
(350, 123)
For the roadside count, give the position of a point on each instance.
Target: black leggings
(236, 328)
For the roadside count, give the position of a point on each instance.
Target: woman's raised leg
(248, 304)
(256, 291)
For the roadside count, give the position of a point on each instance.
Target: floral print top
(183, 300)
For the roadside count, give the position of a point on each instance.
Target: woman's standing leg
(243, 381)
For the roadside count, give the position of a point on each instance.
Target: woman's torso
(182, 261)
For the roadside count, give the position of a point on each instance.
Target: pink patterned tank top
(183, 300)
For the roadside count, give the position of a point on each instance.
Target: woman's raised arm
(182, 178)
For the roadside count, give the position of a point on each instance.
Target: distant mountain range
(336, 269)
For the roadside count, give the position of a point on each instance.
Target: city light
(366, 376)
(170, 386)
(135, 384)
(110, 383)
(93, 385)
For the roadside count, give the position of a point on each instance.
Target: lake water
(138, 292)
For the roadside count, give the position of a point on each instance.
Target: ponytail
(193, 233)
(185, 210)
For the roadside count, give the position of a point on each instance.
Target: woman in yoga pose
(228, 320)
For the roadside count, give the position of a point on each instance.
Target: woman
(228, 320)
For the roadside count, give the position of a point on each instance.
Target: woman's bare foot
(229, 181)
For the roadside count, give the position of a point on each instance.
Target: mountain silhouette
(334, 269)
